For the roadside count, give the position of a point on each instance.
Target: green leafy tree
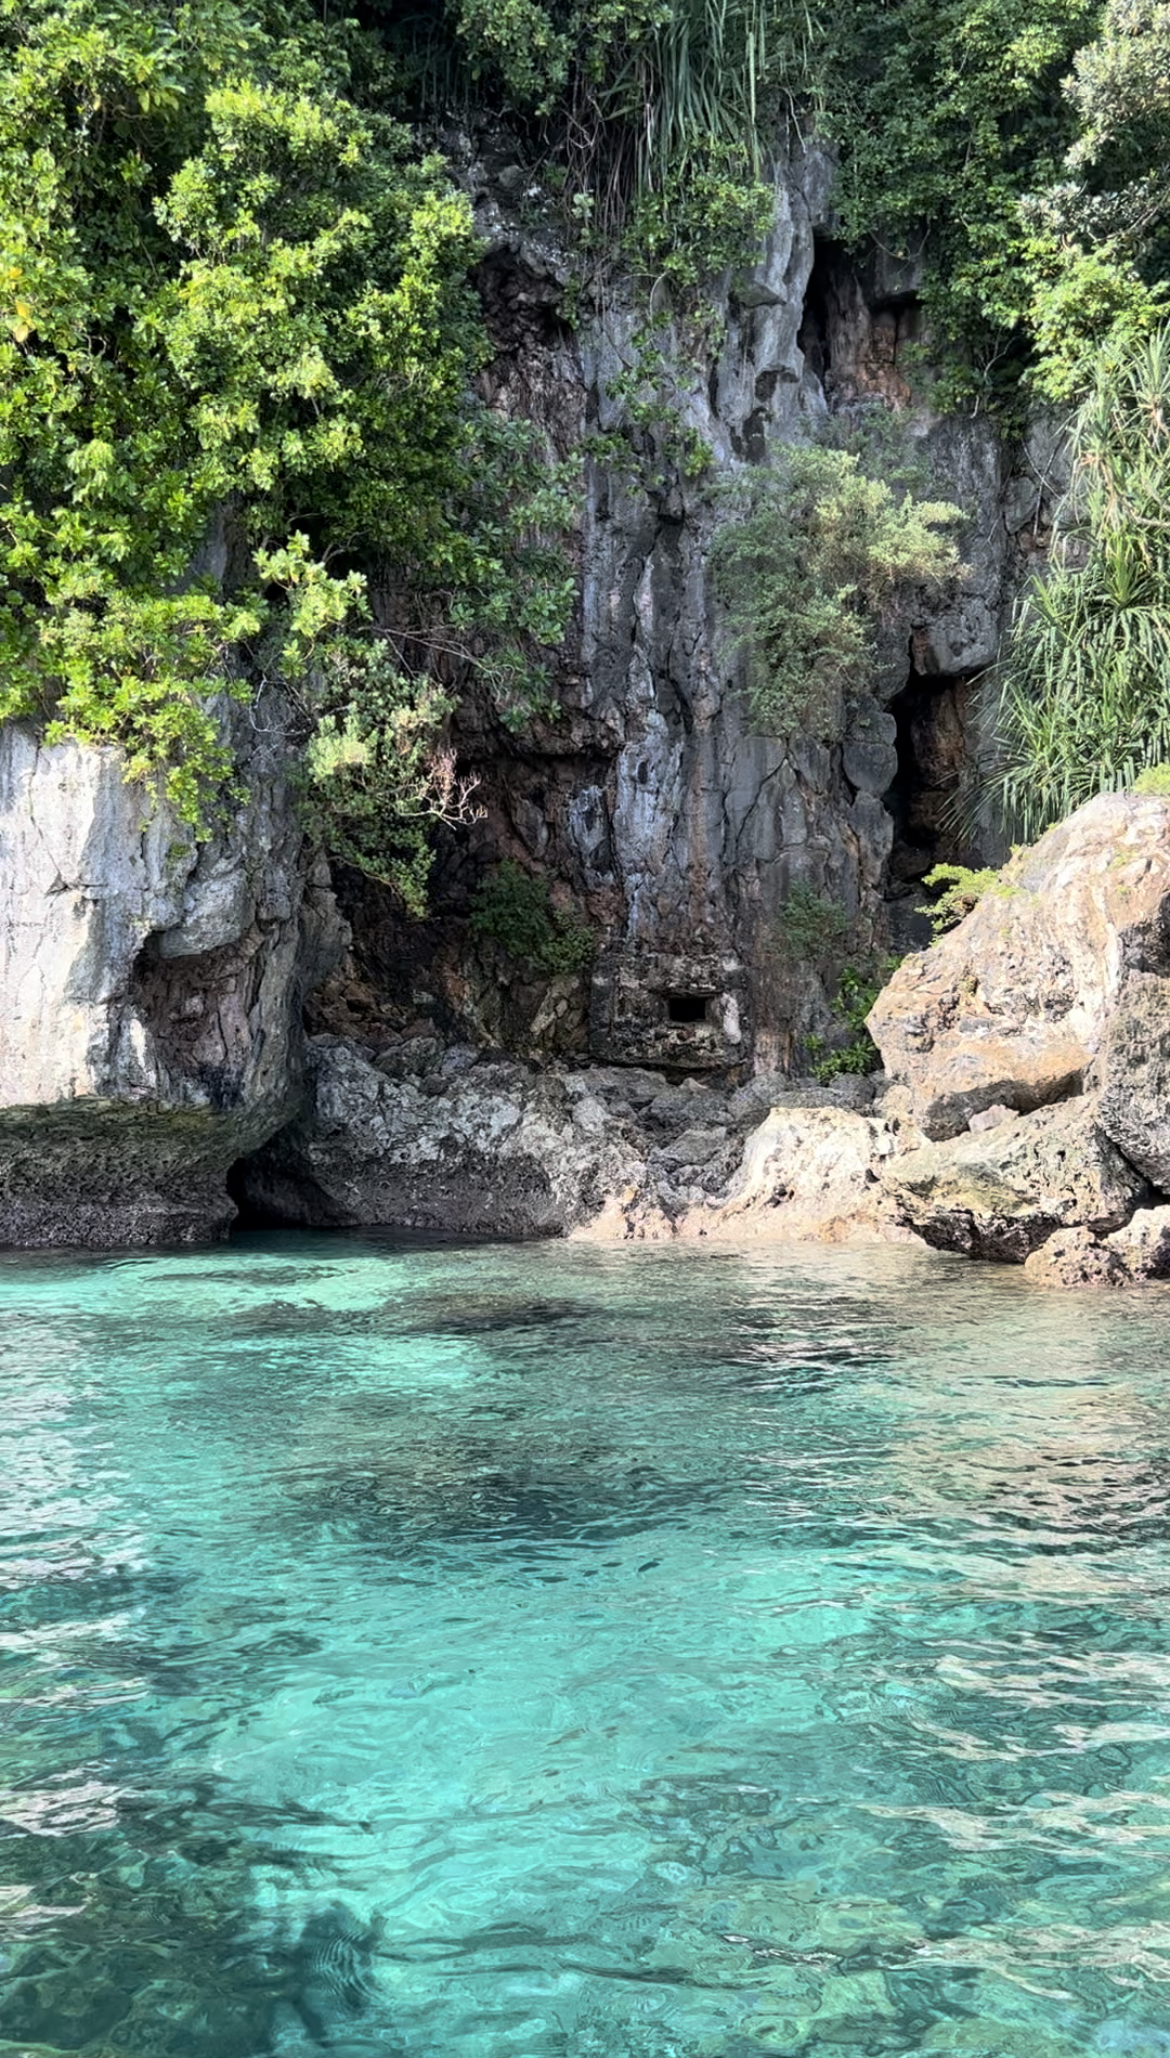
(946, 116)
(377, 775)
(814, 555)
(1101, 244)
(236, 348)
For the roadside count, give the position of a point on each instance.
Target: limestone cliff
(150, 1031)
(152, 989)
(652, 799)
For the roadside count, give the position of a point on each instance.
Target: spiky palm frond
(1082, 701)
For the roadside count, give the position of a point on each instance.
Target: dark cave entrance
(274, 1188)
(933, 797)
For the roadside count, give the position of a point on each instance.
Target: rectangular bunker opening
(684, 1010)
(687, 1007)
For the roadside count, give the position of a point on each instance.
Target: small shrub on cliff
(857, 990)
(808, 928)
(959, 890)
(813, 556)
(378, 773)
(515, 910)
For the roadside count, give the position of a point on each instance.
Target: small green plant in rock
(706, 215)
(959, 889)
(514, 909)
(654, 439)
(1155, 779)
(857, 990)
(808, 929)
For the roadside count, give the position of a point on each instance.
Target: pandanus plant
(1081, 703)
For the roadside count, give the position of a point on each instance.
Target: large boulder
(1076, 1258)
(1012, 1006)
(488, 1148)
(1002, 1192)
(152, 987)
(1133, 1070)
(811, 1173)
(806, 1174)
(1132, 1256)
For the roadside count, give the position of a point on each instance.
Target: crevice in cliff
(933, 742)
(861, 313)
(928, 800)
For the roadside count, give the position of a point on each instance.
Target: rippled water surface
(501, 1653)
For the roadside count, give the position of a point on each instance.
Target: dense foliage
(1021, 152)
(658, 118)
(236, 348)
(1101, 243)
(1083, 704)
(514, 909)
(1014, 152)
(949, 112)
(239, 444)
(814, 555)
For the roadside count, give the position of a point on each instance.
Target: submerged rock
(1012, 1006)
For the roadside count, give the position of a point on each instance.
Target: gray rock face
(510, 1150)
(1134, 1072)
(1002, 1192)
(680, 825)
(693, 1147)
(150, 1031)
(497, 1151)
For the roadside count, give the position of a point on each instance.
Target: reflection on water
(559, 1653)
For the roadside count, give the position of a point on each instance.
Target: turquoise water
(547, 1652)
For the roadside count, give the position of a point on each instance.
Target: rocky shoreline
(1021, 1117)
(156, 1077)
